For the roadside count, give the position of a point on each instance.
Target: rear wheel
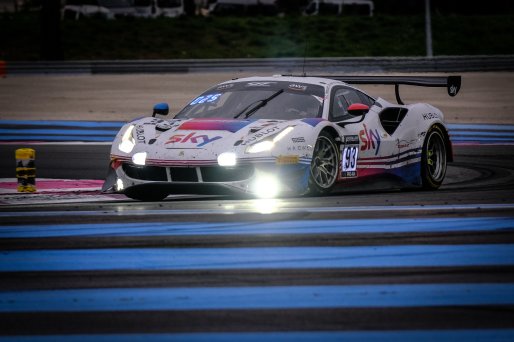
(433, 159)
(324, 165)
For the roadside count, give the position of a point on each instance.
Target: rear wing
(452, 83)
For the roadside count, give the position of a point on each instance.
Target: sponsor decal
(260, 84)
(156, 121)
(263, 125)
(165, 125)
(140, 134)
(349, 156)
(370, 139)
(453, 90)
(351, 140)
(302, 148)
(299, 87)
(211, 98)
(225, 86)
(348, 174)
(262, 133)
(214, 125)
(286, 160)
(430, 116)
(404, 143)
(200, 140)
(298, 140)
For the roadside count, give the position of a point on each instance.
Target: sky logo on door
(370, 139)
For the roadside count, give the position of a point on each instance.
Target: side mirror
(358, 109)
(161, 109)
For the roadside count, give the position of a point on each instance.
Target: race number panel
(349, 161)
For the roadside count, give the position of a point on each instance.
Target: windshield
(258, 100)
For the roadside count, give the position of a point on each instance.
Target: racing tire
(433, 159)
(324, 166)
(146, 195)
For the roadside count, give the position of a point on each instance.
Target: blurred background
(32, 30)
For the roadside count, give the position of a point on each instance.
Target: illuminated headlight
(119, 184)
(139, 158)
(267, 145)
(261, 146)
(282, 134)
(266, 186)
(127, 141)
(227, 159)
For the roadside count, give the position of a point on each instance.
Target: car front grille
(213, 174)
(224, 174)
(149, 173)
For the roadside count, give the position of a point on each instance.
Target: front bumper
(205, 180)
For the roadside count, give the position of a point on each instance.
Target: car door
(366, 148)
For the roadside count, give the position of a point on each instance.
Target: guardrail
(278, 65)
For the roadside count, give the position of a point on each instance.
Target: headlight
(127, 140)
(227, 159)
(282, 134)
(266, 186)
(139, 158)
(267, 145)
(119, 185)
(261, 146)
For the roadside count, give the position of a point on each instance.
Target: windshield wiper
(254, 106)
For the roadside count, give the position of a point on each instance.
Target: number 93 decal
(349, 161)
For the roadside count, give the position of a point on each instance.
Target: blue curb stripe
(31, 132)
(254, 298)
(62, 123)
(256, 258)
(259, 228)
(56, 138)
(482, 133)
(479, 335)
(480, 127)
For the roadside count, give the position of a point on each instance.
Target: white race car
(284, 135)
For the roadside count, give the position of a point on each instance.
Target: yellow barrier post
(26, 169)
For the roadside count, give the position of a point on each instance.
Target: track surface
(386, 265)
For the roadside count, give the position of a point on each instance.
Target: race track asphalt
(382, 265)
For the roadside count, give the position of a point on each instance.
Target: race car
(282, 135)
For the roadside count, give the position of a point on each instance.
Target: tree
(50, 19)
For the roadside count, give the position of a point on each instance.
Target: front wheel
(324, 165)
(433, 159)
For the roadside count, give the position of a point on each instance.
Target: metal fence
(277, 65)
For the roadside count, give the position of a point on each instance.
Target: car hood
(200, 140)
